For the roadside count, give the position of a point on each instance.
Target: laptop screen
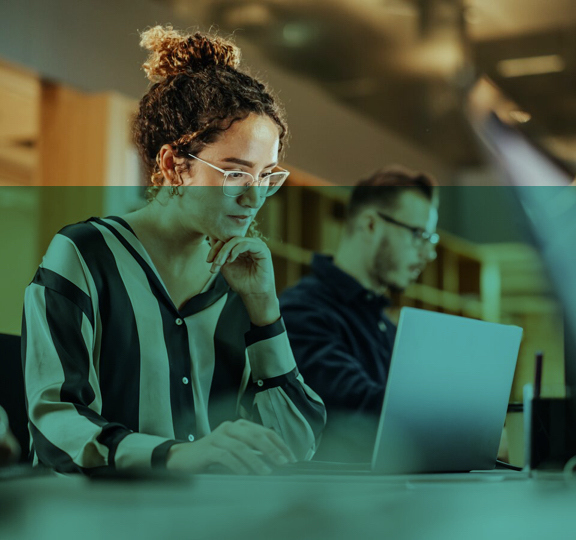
(447, 394)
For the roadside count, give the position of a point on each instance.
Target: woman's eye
(265, 174)
(236, 175)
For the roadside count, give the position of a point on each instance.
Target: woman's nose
(253, 197)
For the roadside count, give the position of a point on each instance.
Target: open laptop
(447, 394)
(446, 397)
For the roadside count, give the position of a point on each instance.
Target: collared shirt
(341, 338)
(115, 374)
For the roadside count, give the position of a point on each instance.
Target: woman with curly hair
(155, 339)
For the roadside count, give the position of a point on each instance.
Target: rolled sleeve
(269, 351)
(277, 397)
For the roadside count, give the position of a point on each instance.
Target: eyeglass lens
(238, 182)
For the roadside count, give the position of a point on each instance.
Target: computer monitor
(544, 189)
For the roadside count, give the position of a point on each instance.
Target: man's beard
(384, 265)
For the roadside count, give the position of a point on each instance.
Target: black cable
(505, 465)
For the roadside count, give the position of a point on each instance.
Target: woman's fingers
(229, 252)
(218, 254)
(254, 250)
(240, 457)
(216, 246)
(241, 447)
(263, 440)
(222, 456)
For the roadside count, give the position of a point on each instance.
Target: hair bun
(173, 52)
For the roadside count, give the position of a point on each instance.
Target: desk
(319, 507)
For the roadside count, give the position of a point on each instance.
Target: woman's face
(249, 145)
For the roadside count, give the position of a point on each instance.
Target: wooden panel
(85, 147)
(73, 144)
(122, 160)
(19, 125)
(19, 106)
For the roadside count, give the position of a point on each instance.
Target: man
(336, 321)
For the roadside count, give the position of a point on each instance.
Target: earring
(174, 191)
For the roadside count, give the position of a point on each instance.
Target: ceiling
(407, 63)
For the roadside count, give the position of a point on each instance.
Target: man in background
(338, 328)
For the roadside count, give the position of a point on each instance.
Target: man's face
(398, 258)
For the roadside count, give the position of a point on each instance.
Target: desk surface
(317, 507)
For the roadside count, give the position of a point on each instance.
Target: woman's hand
(246, 263)
(241, 447)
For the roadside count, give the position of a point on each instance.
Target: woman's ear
(168, 162)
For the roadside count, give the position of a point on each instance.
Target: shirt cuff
(160, 454)
(260, 333)
(140, 450)
(269, 351)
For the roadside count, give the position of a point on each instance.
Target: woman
(133, 325)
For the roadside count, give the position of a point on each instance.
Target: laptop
(446, 397)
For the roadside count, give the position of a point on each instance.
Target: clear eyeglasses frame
(420, 237)
(237, 182)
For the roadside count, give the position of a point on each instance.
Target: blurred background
(366, 84)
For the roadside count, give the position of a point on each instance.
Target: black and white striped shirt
(115, 374)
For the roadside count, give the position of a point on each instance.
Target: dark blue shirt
(341, 338)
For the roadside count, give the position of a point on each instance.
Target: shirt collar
(346, 287)
(217, 287)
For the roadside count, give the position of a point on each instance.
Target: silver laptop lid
(447, 394)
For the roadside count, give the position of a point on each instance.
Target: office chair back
(12, 396)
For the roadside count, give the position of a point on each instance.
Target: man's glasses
(236, 183)
(419, 236)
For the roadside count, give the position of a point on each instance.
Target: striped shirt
(115, 374)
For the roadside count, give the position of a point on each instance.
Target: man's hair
(384, 187)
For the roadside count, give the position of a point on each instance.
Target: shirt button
(191, 438)
(179, 321)
(260, 382)
(369, 297)
(185, 380)
(382, 326)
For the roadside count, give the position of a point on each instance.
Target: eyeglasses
(236, 183)
(419, 236)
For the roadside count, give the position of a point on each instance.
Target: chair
(12, 396)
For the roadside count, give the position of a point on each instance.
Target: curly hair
(198, 92)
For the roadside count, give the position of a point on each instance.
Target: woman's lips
(242, 220)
